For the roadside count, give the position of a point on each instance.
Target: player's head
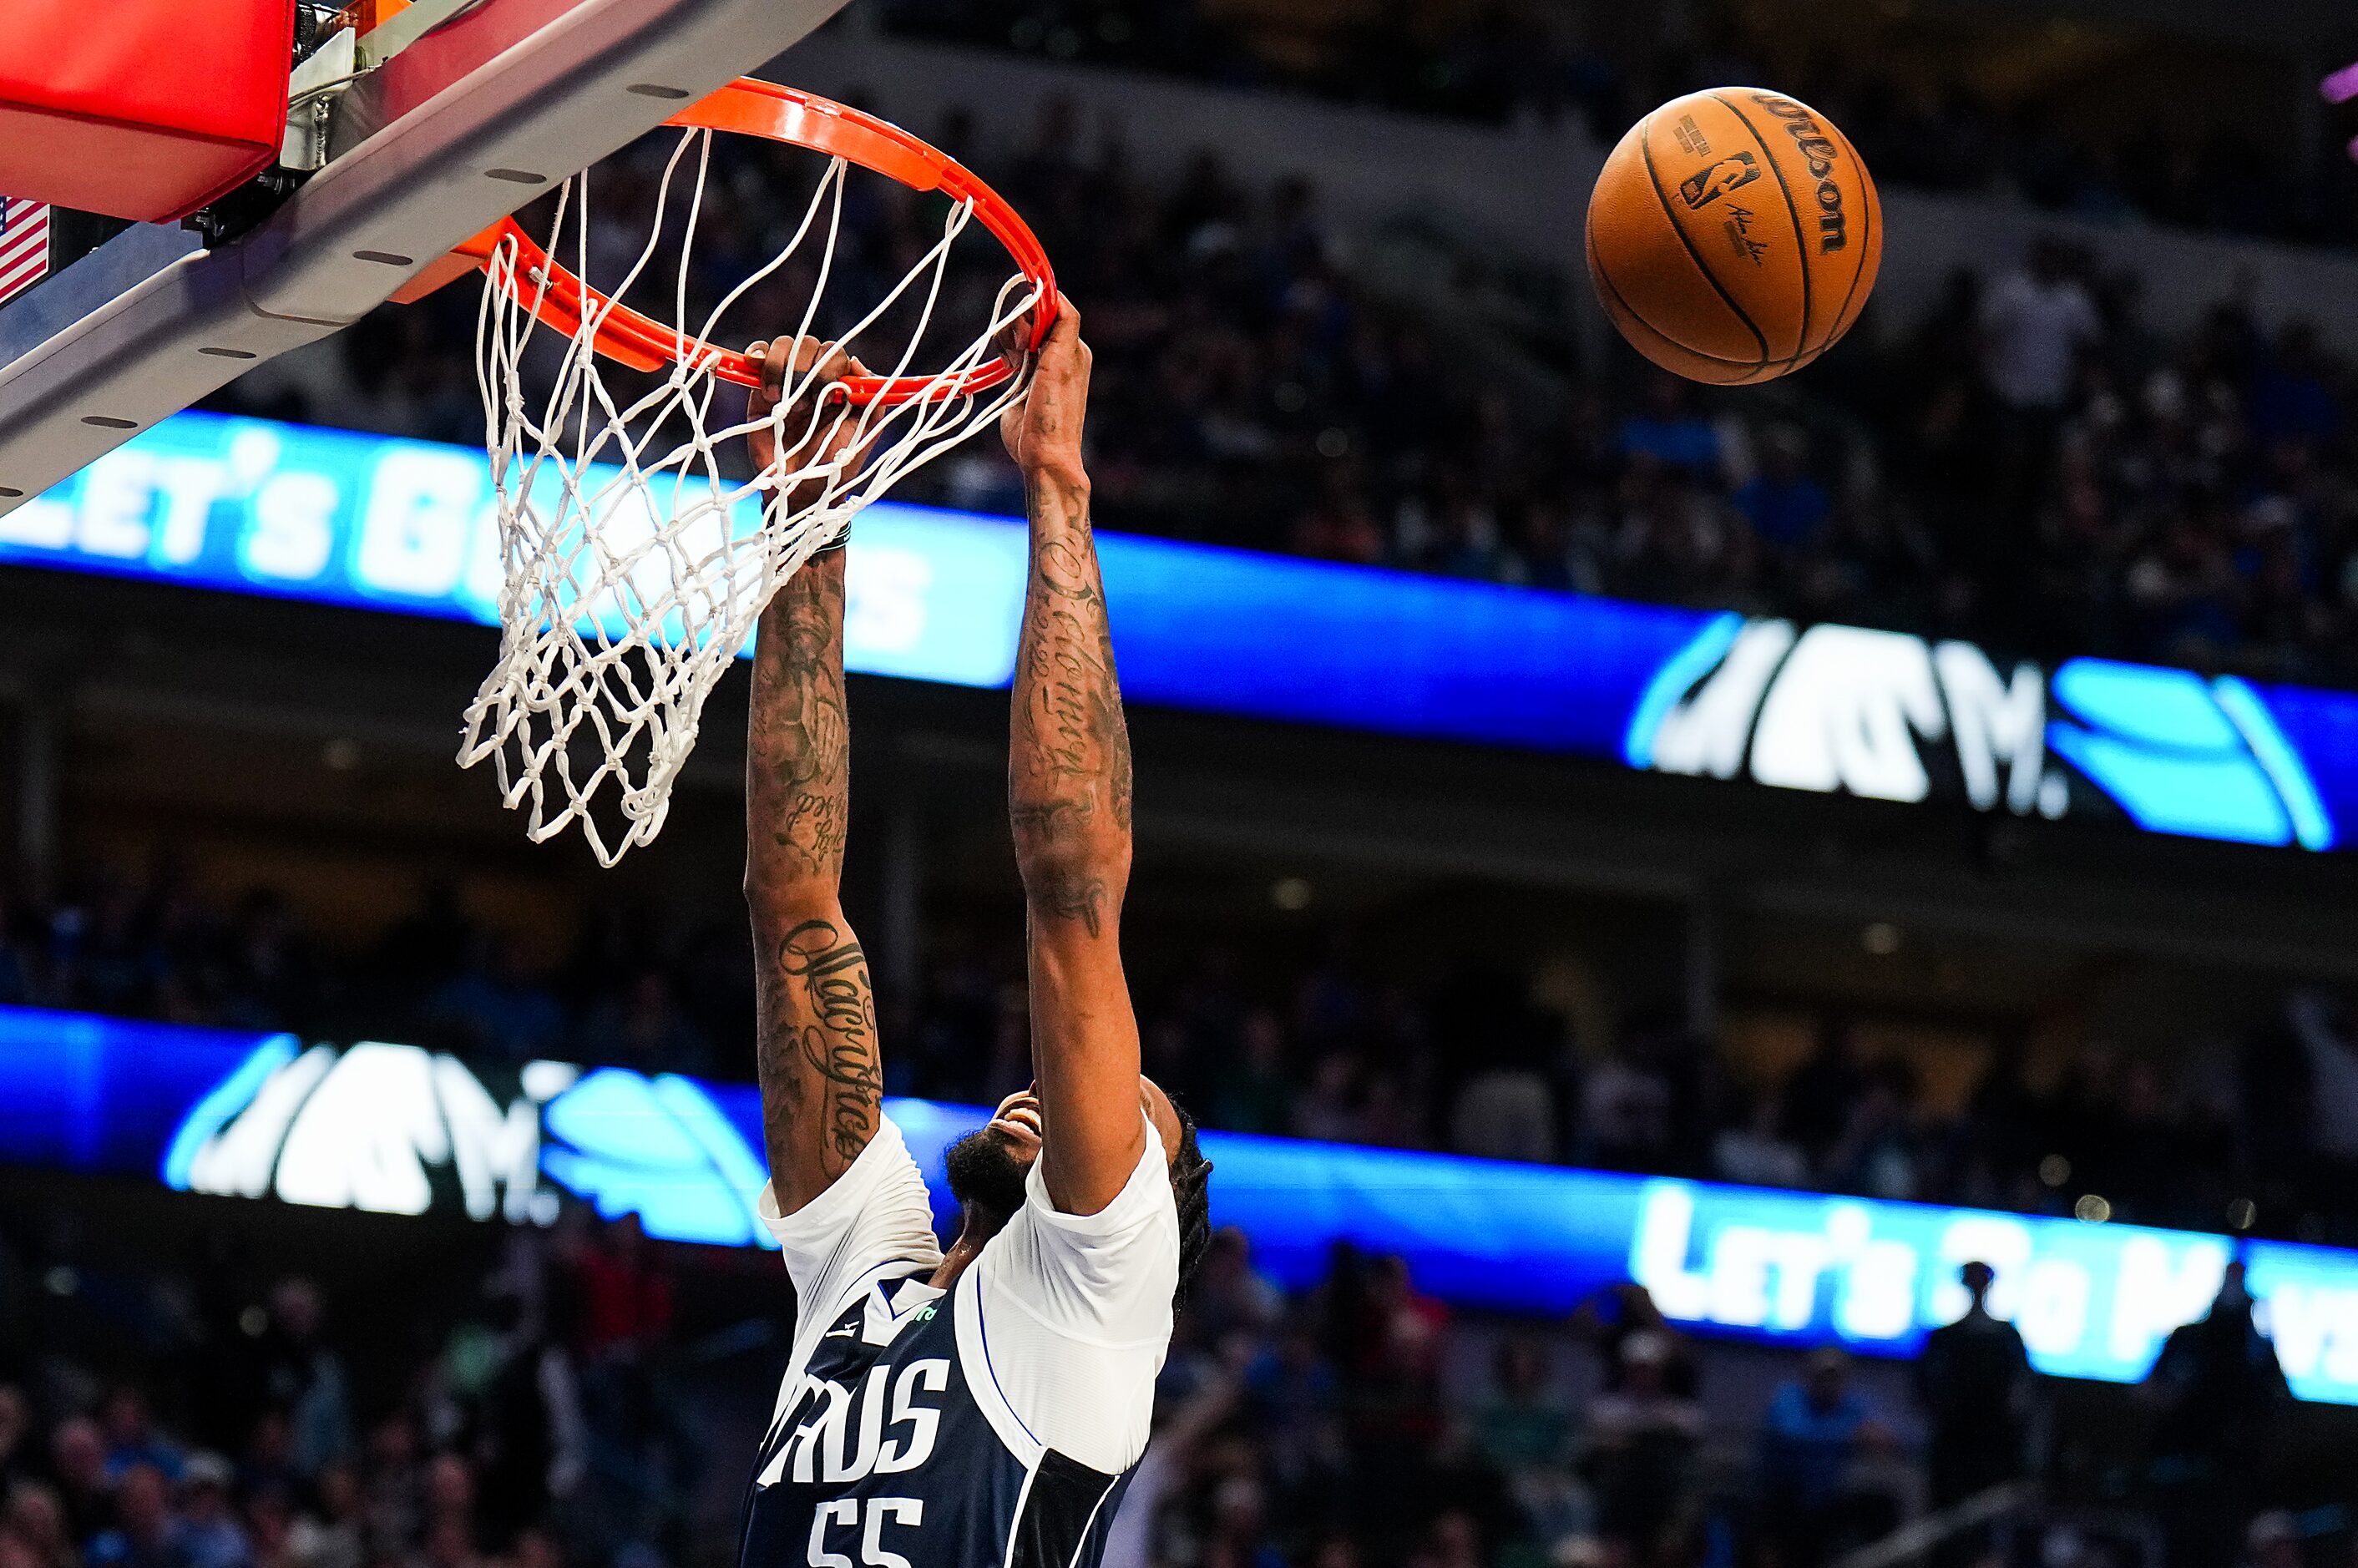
(989, 1167)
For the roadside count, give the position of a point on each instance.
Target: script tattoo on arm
(835, 1045)
(821, 1073)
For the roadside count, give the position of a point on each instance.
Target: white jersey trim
(974, 1352)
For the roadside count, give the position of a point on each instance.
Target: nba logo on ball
(1729, 174)
(1724, 290)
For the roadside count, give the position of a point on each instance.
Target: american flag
(23, 245)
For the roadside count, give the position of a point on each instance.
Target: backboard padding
(533, 86)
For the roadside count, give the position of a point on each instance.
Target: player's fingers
(1014, 341)
(776, 359)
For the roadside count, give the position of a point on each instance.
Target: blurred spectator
(131, 1439)
(497, 1009)
(1520, 1426)
(1619, 1314)
(1524, 1430)
(2220, 1396)
(15, 1437)
(624, 1292)
(332, 1533)
(304, 1379)
(1785, 506)
(1387, 1341)
(1627, 1108)
(1820, 1098)
(15, 1553)
(1505, 1113)
(394, 1492)
(207, 1534)
(1975, 1383)
(529, 1435)
(1816, 1432)
(1667, 431)
(1753, 1153)
(2320, 1024)
(32, 1515)
(78, 1465)
(1240, 1533)
(1228, 1295)
(641, 1026)
(2035, 325)
(1878, 1154)
(1131, 1542)
(1253, 1090)
(1453, 1539)
(143, 1535)
(1643, 1439)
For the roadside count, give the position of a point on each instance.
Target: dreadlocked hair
(1191, 1185)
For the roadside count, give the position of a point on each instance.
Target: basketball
(1734, 236)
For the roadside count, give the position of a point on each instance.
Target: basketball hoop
(633, 571)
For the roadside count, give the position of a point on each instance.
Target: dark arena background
(1641, 884)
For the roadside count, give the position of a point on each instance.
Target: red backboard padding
(144, 109)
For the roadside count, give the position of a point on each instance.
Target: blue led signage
(398, 1130)
(377, 523)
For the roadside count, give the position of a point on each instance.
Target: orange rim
(801, 119)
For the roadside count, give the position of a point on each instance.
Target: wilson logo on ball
(1819, 150)
(1731, 173)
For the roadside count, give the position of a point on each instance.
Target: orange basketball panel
(1724, 184)
(1641, 257)
(1870, 249)
(1839, 217)
(1670, 356)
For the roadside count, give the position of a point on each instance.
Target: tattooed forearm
(838, 1046)
(1049, 819)
(1069, 896)
(1069, 770)
(822, 1076)
(797, 755)
(814, 829)
(819, 1063)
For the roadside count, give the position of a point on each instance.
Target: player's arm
(1068, 800)
(821, 1076)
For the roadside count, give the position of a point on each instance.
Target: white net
(635, 567)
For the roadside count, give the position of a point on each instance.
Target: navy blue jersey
(888, 1461)
(993, 1425)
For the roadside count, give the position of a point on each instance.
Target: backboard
(456, 113)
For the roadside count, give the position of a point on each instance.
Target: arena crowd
(2029, 465)
(1544, 62)
(2253, 1138)
(562, 1407)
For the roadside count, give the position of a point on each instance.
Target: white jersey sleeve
(1076, 1314)
(876, 1222)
